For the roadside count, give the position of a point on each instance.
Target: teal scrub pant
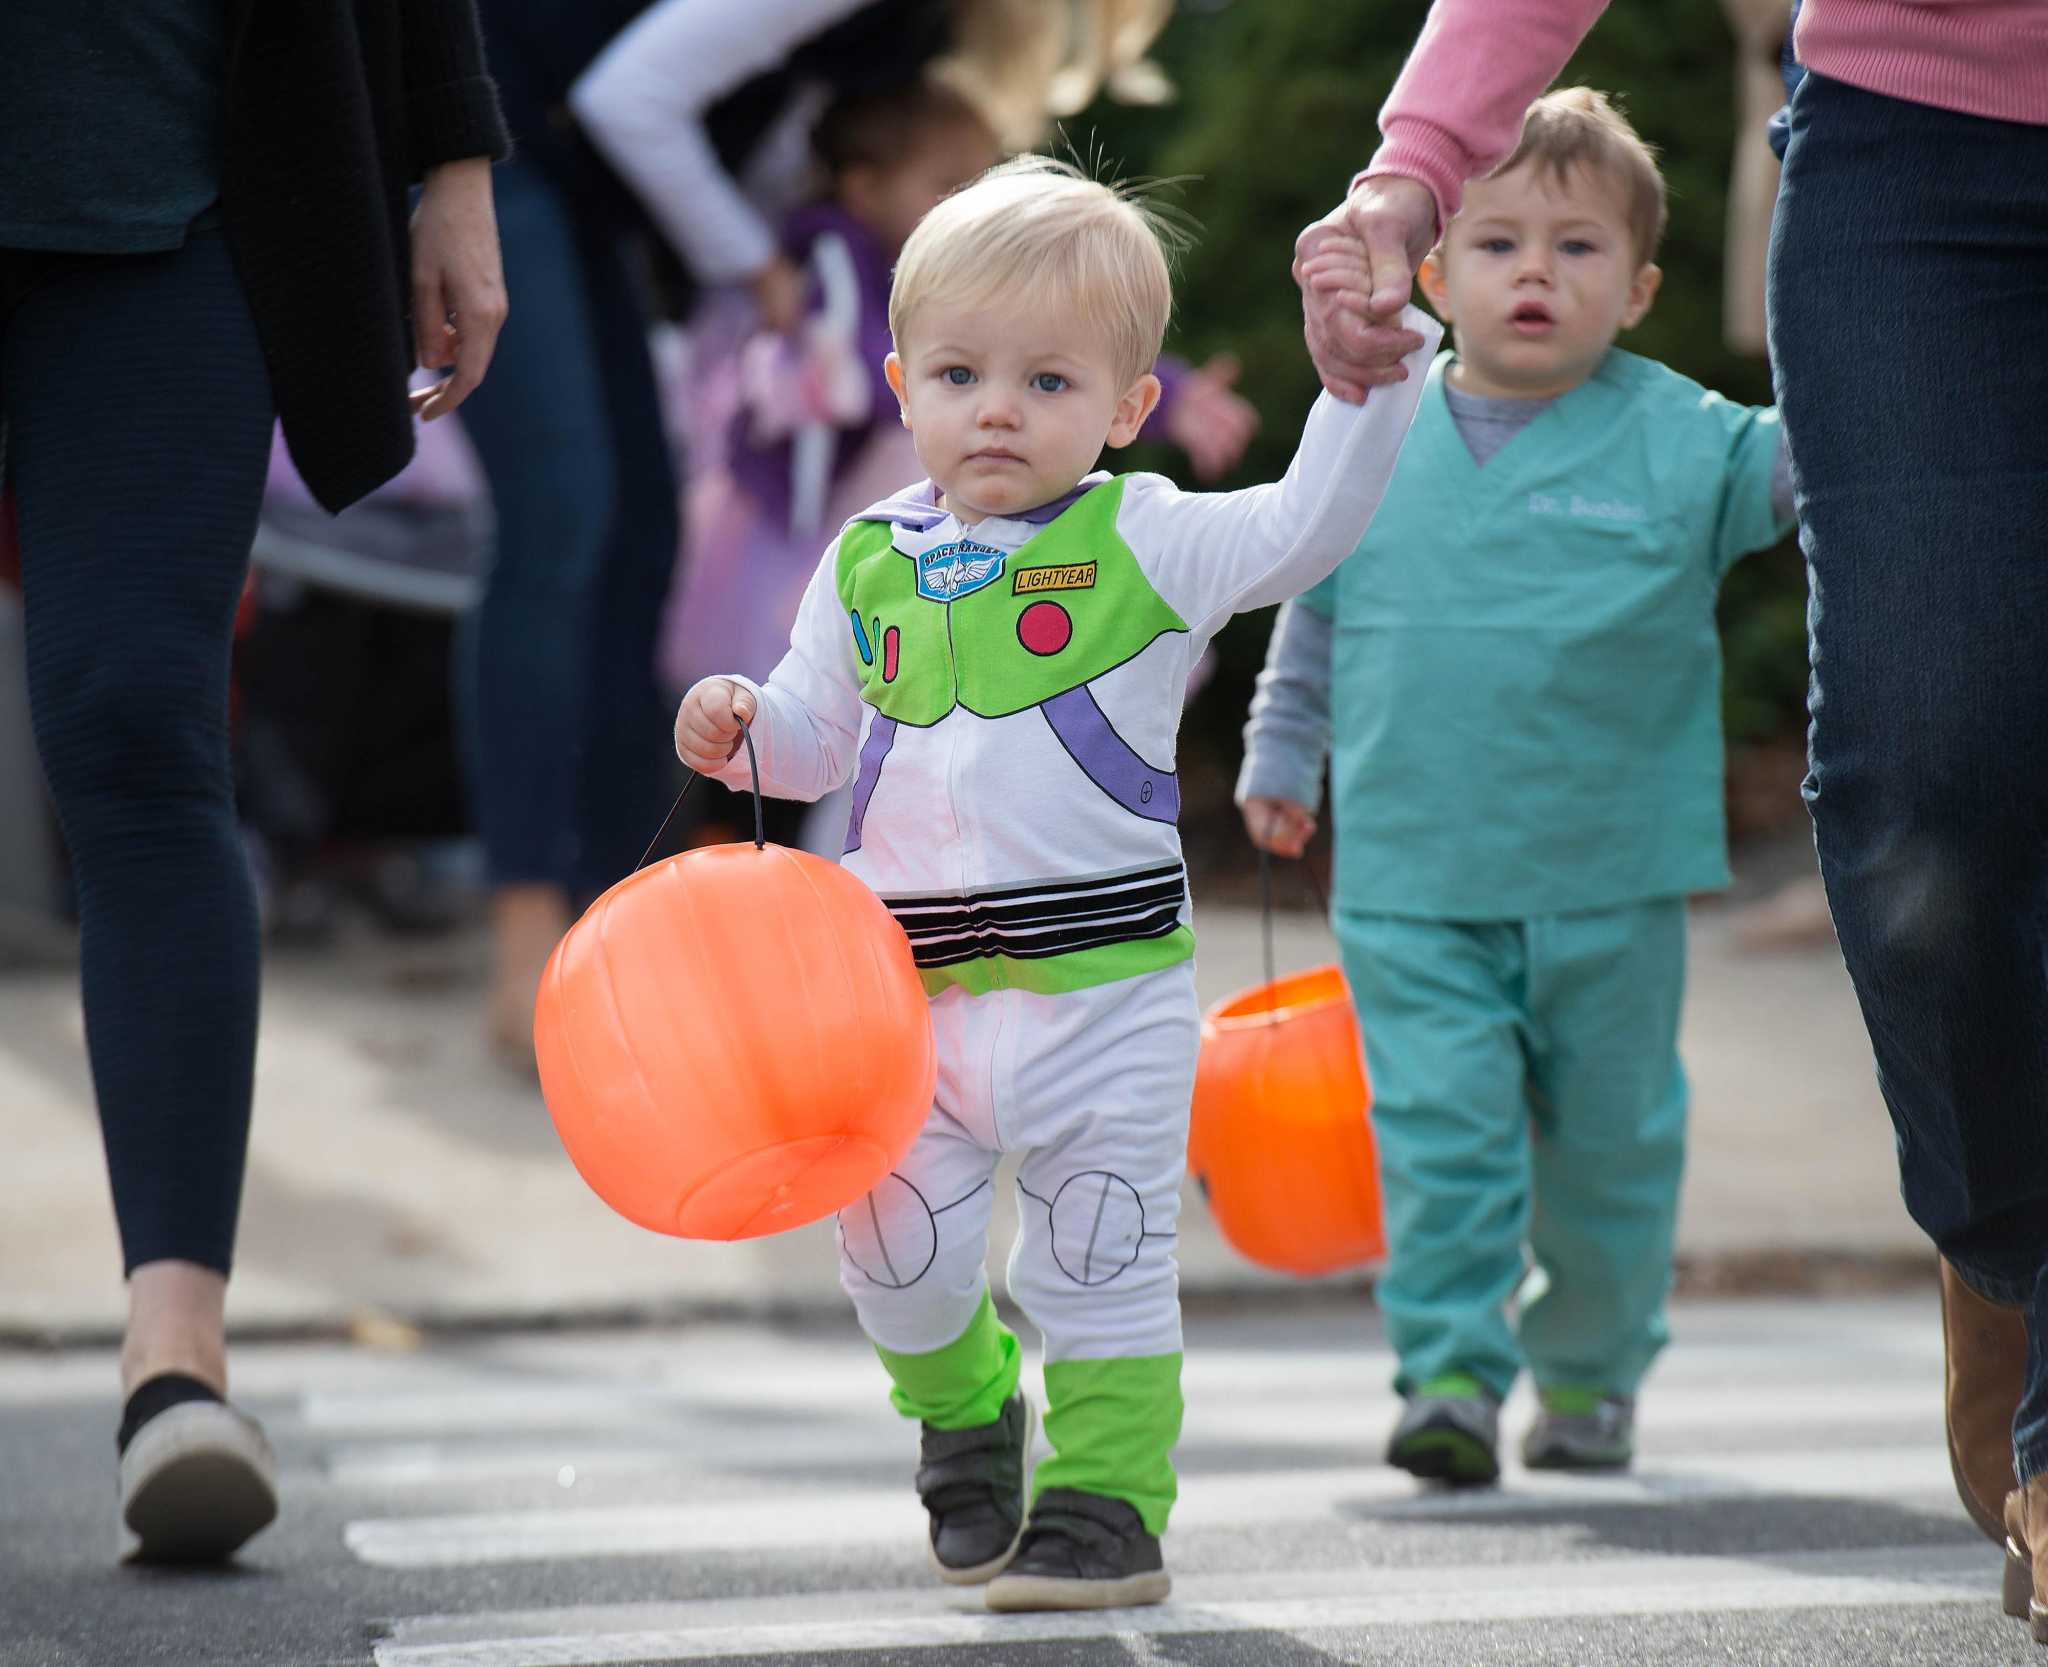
(1529, 1108)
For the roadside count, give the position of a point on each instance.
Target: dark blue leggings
(137, 413)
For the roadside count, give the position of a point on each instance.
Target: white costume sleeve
(1214, 554)
(807, 727)
(642, 102)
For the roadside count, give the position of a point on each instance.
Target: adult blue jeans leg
(629, 763)
(542, 428)
(138, 412)
(1909, 330)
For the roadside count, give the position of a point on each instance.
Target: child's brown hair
(1577, 127)
(879, 129)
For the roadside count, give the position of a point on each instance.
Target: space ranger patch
(951, 571)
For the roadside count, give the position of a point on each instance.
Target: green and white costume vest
(1008, 696)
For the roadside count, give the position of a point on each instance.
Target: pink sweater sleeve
(1477, 66)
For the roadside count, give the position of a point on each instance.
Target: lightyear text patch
(1078, 575)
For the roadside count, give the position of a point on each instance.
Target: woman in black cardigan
(224, 240)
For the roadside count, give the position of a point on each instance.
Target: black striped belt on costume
(1051, 917)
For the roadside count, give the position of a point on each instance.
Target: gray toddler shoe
(973, 1483)
(1450, 1433)
(1581, 1429)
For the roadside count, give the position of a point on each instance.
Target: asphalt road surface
(741, 1494)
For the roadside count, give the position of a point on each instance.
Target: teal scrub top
(1525, 683)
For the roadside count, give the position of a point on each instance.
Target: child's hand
(1279, 825)
(708, 725)
(1211, 421)
(1352, 316)
(1335, 279)
(1337, 267)
(778, 291)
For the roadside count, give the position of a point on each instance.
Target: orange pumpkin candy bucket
(734, 1041)
(1280, 1134)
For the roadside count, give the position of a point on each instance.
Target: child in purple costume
(802, 429)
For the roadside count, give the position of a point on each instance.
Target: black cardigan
(333, 108)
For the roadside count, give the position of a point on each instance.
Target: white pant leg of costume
(912, 1253)
(1093, 1087)
(1099, 1092)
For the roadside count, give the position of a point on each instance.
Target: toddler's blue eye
(1577, 246)
(958, 375)
(1048, 382)
(1495, 245)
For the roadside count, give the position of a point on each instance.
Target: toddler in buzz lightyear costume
(998, 656)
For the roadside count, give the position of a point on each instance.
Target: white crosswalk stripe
(774, 1451)
(878, 1518)
(582, 1429)
(845, 1622)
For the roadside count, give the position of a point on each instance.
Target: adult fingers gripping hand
(1279, 826)
(1356, 267)
(708, 723)
(458, 282)
(1395, 218)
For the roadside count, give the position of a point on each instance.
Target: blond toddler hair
(1576, 127)
(1038, 229)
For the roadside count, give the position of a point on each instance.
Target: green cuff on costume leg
(963, 1384)
(1112, 1425)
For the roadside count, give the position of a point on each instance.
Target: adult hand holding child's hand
(1356, 267)
(708, 724)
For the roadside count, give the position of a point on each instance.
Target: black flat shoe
(197, 1478)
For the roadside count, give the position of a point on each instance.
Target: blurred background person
(793, 431)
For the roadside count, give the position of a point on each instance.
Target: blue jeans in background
(1909, 333)
(569, 732)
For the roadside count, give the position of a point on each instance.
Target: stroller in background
(347, 768)
(347, 761)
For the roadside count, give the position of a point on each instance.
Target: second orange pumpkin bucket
(1280, 1134)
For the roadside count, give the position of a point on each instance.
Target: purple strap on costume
(881, 737)
(1107, 760)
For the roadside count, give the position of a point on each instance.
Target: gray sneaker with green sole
(1449, 1433)
(1581, 1429)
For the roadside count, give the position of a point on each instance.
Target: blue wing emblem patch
(951, 571)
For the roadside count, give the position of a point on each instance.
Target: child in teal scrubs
(1517, 678)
